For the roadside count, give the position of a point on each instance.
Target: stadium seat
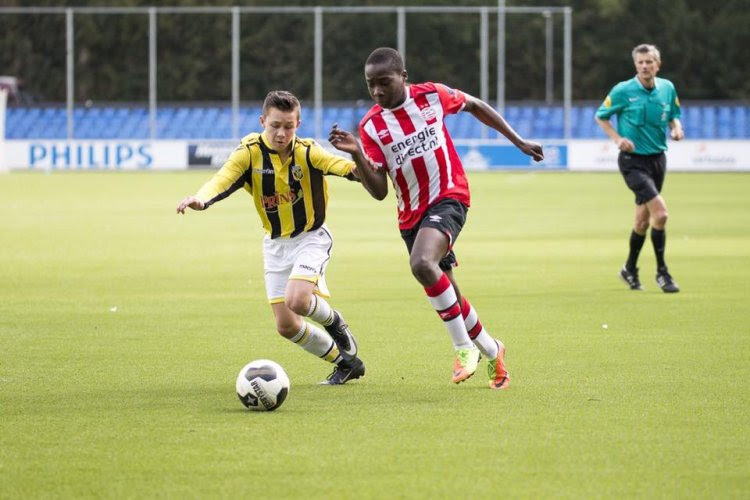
(740, 122)
(215, 122)
(708, 123)
(724, 125)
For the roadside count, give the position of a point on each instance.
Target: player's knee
(660, 219)
(641, 226)
(423, 268)
(286, 330)
(299, 303)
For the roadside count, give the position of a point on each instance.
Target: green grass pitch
(123, 327)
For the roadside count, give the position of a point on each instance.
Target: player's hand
(342, 140)
(625, 145)
(533, 149)
(192, 202)
(677, 134)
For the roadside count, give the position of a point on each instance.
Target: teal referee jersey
(642, 114)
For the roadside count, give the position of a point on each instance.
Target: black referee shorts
(448, 216)
(644, 174)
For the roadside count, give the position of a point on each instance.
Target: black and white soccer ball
(262, 385)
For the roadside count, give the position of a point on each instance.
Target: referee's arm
(623, 143)
(675, 129)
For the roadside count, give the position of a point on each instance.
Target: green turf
(139, 402)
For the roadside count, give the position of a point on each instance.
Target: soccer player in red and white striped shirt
(404, 139)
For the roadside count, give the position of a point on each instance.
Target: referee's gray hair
(646, 48)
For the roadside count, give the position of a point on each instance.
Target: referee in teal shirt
(645, 105)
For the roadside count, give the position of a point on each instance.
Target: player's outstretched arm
(374, 180)
(487, 115)
(191, 202)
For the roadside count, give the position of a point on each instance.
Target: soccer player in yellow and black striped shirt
(285, 176)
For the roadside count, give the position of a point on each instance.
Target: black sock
(659, 239)
(636, 243)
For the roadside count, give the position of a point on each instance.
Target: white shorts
(303, 257)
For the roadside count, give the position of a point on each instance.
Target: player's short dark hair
(281, 100)
(388, 56)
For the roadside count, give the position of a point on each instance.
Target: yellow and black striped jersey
(290, 197)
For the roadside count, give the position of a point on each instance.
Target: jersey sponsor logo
(632, 99)
(416, 145)
(272, 202)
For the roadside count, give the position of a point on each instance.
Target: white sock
(320, 311)
(443, 298)
(479, 335)
(317, 342)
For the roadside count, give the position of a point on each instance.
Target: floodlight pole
(568, 71)
(69, 68)
(550, 85)
(4, 168)
(401, 32)
(152, 72)
(235, 73)
(484, 60)
(500, 56)
(318, 72)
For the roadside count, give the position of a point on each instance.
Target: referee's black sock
(659, 239)
(636, 243)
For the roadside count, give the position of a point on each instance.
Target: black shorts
(644, 174)
(447, 215)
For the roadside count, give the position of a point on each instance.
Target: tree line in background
(705, 49)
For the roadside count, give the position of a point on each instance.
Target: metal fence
(316, 16)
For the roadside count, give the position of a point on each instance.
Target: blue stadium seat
(708, 123)
(540, 122)
(724, 125)
(740, 121)
(512, 112)
(691, 118)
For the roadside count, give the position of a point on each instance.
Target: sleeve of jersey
(453, 100)
(230, 177)
(676, 110)
(371, 148)
(330, 163)
(613, 104)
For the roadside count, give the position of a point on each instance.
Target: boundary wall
(576, 155)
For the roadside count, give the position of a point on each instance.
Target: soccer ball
(262, 385)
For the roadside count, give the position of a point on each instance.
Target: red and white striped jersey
(413, 145)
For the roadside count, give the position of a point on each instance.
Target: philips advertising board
(95, 155)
